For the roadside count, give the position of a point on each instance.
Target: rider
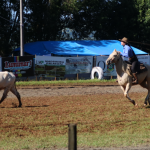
(133, 60)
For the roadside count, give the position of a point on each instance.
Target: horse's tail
(15, 84)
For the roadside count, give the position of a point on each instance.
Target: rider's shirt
(127, 51)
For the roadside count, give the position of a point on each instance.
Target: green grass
(111, 139)
(34, 142)
(62, 82)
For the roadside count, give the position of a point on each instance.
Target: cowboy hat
(125, 40)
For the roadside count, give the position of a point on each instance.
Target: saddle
(129, 71)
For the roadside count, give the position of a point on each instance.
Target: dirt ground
(35, 94)
(71, 90)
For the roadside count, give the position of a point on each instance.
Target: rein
(119, 58)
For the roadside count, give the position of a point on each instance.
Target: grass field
(105, 120)
(65, 82)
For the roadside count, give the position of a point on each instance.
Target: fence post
(77, 76)
(77, 73)
(55, 74)
(72, 137)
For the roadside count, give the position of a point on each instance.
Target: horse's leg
(6, 90)
(144, 85)
(148, 87)
(128, 86)
(123, 88)
(132, 101)
(15, 92)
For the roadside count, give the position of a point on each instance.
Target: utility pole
(21, 30)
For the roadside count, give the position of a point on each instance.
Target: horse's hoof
(145, 105)
(133, 102)
(20, 105)
(136, 105)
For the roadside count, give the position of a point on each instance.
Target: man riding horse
(124, 75)
(133, 60)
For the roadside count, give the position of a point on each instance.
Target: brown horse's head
(113, 57)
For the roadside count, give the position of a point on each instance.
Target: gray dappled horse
(125, 80)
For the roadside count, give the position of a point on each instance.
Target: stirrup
(135, 82)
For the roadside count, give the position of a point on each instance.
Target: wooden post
(111, 77)
(77, 73)
(72, 137)
(77, 76)
(55, 74)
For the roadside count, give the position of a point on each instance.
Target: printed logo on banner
(40, 62)
(110, 67)
(16, 66)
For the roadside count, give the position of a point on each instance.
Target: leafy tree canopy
(45, 19)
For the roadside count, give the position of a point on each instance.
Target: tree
(44, 20)
(106, 19)
(9, 26)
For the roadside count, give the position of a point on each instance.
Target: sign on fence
(50, 66)
(108, 70)
(46, 66)
(21, 66)
(145, 59)
(78, 65)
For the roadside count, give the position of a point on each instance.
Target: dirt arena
(43, 93)
(71, 90)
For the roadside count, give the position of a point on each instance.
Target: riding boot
(136, 79)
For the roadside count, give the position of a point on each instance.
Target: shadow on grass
(37, 106)
(147, 107)
(25, 106)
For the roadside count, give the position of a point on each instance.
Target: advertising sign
(21, 66)
(144, 59)
(47, 66)
(141, 58)
(108, 70)
(78, 65)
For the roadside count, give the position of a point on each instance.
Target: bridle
(117, 59)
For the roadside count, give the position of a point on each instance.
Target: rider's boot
(136, 78)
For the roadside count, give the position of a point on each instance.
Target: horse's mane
(126, 67)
